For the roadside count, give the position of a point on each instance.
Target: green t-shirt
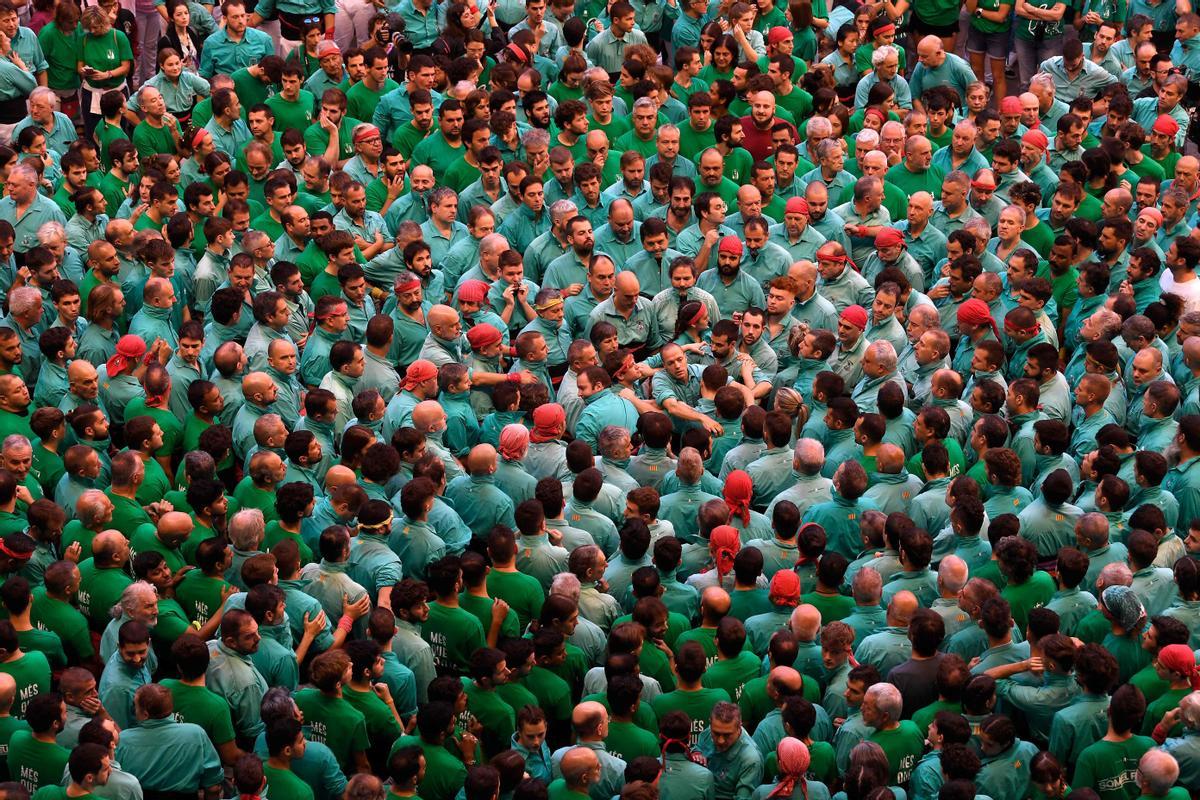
(150, 140)
(937, 12)
(9, 725)
(99, 591)
(250, 90)
(1111, 767)
(45, 642)
(903, 747)
(333, 721)
(105, 54)
(284, 783)
(204, 707)
(276, 534)
(68, 624)
(296, 114)
(1029, 29)
(522, 592)
(36, 764)
(31, 672)
(731, 674)
(698, 705)
(986, 25)
(382, 728)
(454, 635)
(832, 606)
(250, 496)
(627, 741)
(481, 609)
(362, 99)
(200, 595)
(61, 50)
(552, 692)
(127, 514)
(106, 134)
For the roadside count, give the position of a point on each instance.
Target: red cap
(785, 588)
(473, 291)
(1035, 139)
(1010, 105)
(418, 372)
(888, 237)
(1166, 125)
(778, 34)
(482, 335)
(730, 244)
(796, 205)
(856, 316)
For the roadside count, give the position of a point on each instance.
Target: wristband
(345, 623)
(514, 377)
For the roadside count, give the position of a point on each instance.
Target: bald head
(890, 459)
(442, 315)
(587, 718)
(256, 385)
(481, 460)
(749, 194)
(1157, 772)
(8, 692)
(806, 622)
(627, 283)
(803, 271)
(82, 370)
(1119, 200)
(580, 767)
(110, 548)
(714, 602)
(426, 414)
(175, 524)
(786, 681)
(339, 475)
(900, 611)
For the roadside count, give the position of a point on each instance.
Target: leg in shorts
(993, 46)
(946, 33)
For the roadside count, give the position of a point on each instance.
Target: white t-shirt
(1188, 290)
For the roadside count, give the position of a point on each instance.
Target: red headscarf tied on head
(738, 491)
(514, 442)
(130, 350)
(548, 420)
(794, 760)
(724, 544)
(976, 312)
(1180, 659)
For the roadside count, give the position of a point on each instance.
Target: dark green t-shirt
(334, 722)
(201, 706)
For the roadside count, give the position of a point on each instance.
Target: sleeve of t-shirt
(124, 50)
(222, 726)
(359, 740)
(79, 639)
(211, 773)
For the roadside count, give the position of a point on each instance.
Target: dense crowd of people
(579, 400)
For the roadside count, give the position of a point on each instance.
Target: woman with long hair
(180, 36)
(723, 56)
